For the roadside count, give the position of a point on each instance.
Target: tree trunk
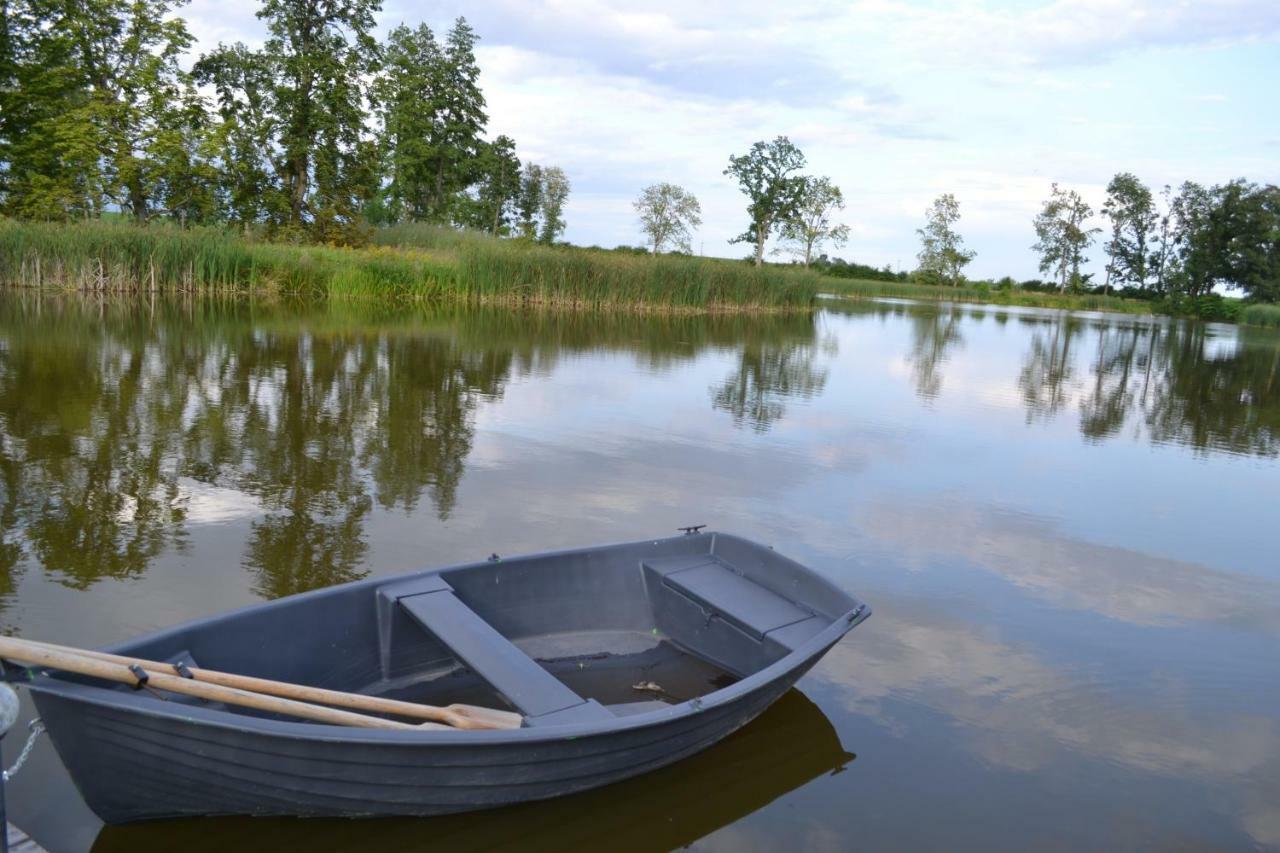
(760, 232)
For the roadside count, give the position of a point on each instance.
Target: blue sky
(895, 101)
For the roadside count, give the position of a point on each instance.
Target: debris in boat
(650, 686)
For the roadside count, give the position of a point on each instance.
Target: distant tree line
(320, 131)
(1178, 246)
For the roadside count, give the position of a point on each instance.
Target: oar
(35, 655)
(457, 715)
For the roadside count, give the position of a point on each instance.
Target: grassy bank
(438, 264)
(862, 288)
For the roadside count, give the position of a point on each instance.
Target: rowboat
(618, 660)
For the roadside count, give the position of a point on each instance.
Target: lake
(1062, 522)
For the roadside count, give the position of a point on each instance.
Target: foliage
(303, 97)
(1063, 236)
(942, 253)
(840, 268)
(766, 174)
(668, 214)
(432, 116)
(1228, 235)
(555, 192)
(492, 207)
(95, 111)
(529, 202)
(1130, 208)
(810, 224)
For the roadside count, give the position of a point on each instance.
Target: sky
(898, 102)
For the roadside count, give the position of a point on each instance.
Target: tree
(667, 214)
(1228, 234)
(246, 133)
(432, 120)
(91, 100)
(408, 92)
(810, 225)
(1162, 260)
(766, 174)
(942, 253)
(555, 192)
(309, 83)
(497, 189)
(1131, 210)
(529, 203)
(1063, 237)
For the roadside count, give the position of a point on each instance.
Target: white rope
(37, 729)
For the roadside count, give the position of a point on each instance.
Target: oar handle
(34, 654)
(458, 716)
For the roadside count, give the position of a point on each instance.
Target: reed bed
(414, 261)
(1267, 316)
(120, 258)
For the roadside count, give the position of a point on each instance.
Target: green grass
(414, 261)
(1261, 315)
(867, 289)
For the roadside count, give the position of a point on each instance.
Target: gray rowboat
(622, 659)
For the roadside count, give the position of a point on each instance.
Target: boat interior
(562, 638)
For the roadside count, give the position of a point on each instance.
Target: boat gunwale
(214, 718)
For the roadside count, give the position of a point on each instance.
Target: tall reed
(421, 261)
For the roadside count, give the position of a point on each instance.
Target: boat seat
(740, 601)
(539, 695)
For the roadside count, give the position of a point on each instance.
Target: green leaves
(766, 174)
(942, 255)
(1063, 236)
(433, 118)
(668, 214)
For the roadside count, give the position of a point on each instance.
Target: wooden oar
(457, 715)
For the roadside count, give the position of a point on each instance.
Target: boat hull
(131, 767)
(754, 616)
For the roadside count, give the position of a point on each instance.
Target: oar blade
(486, 718)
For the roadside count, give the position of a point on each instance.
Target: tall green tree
(1229, 235)
(433, 120)
(668, 214)
(245, 137)
(555, 192)
(94, 101)
(529, 202)
(1130, 209)
(408, 93)
(767, 174)
(942, 253)
(812, 223)
(1162, 262)
(492, 205)
(1063, 235)
(314, 66)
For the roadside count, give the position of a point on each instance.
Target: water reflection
(767, 375)
(789, 745)
(110, 412)
(933, 336)
(1048, 367)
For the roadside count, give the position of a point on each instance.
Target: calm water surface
(1066, 526)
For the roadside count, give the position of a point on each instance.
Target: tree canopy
(767, 174)
(668, 214)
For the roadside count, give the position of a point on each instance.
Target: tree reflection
(768, 374)
(933, 335)
(1181, 382)
(84, 454)
(1048, 368)
(113, 415)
